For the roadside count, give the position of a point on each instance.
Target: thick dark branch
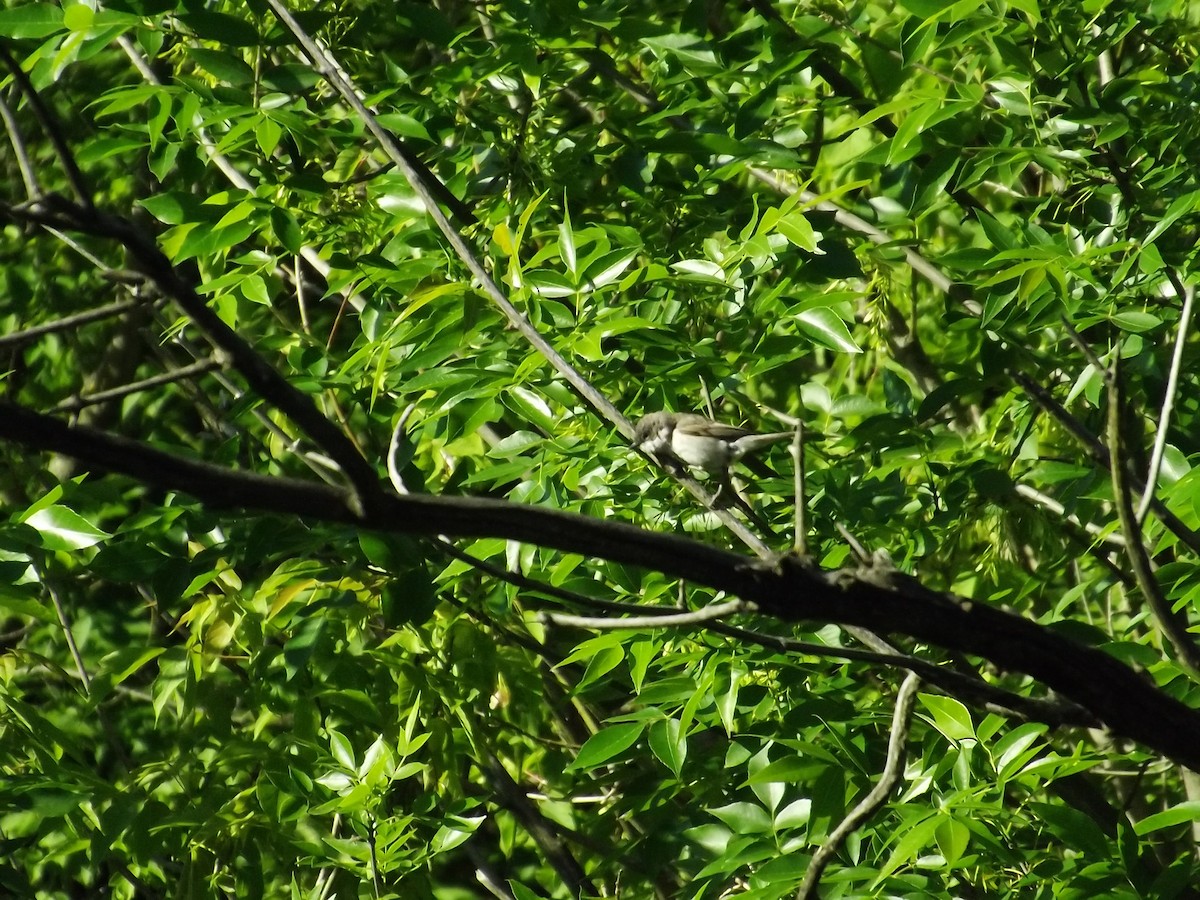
(789, 588)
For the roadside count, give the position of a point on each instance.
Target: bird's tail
(754, 443)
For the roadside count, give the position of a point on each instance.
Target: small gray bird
(699, 442)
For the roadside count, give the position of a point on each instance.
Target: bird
(699, 442)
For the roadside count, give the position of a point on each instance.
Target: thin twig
(68, 323)
(969, 688)
(28, 174)
(1172, 627)
(893, 768)
(1100, 456)
(74, 404)
(50, 126)
(1168, 405)
(420, 181)
(1088, 351)
(801, 490)
(65, 621)
(671, 620)
(371, 841)
(1036, 497)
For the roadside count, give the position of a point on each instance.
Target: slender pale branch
(50, 125)
(1171, 626)
(421, 180)
(182, 374)
(69, 323)
(1168, 405)
(1045, 501)
(893, 768)
(700, 616)
(17, 139)
(801, 490)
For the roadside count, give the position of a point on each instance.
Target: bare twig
(1100, 456)
(17, 139)
(202, 367)
(69, 323)
(50, 125)
(1036, 497)
(1168, 405)
(893, 768)
(510, 794)
(1088, 351)
(1172, 626)
(671, 620)
(968, 688)
(801, 543)
(69, 633)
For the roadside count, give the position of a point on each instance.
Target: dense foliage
(954, 239)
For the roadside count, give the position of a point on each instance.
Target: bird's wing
(699, 425)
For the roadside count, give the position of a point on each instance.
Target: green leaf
(825, 327)
(211, 25)
(607, 268)
(744, 818)
(31, 20)
(950, 717)
(64, 529)
(176, 208)
(688, 49)
(520, 892)
(796, 228)
(603, 662)
(342, 750)
(404, 125)
(222, 66)
(1180, 207)
(78, 17)
(605, 744)
(1135, 321)
(668, 744)
(1181, 813)
(450, 836)
(787, 769)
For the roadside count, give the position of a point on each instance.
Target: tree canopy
(330, 568)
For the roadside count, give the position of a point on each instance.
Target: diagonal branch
(260, 375)
(1168, 405)
(420, 182)
(893, 768)
(1173, 626)
(50, 125)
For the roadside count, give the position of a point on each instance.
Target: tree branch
(670, 620)
(1173, 627)
(788, 588)
(260, 375)
(893, 768)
